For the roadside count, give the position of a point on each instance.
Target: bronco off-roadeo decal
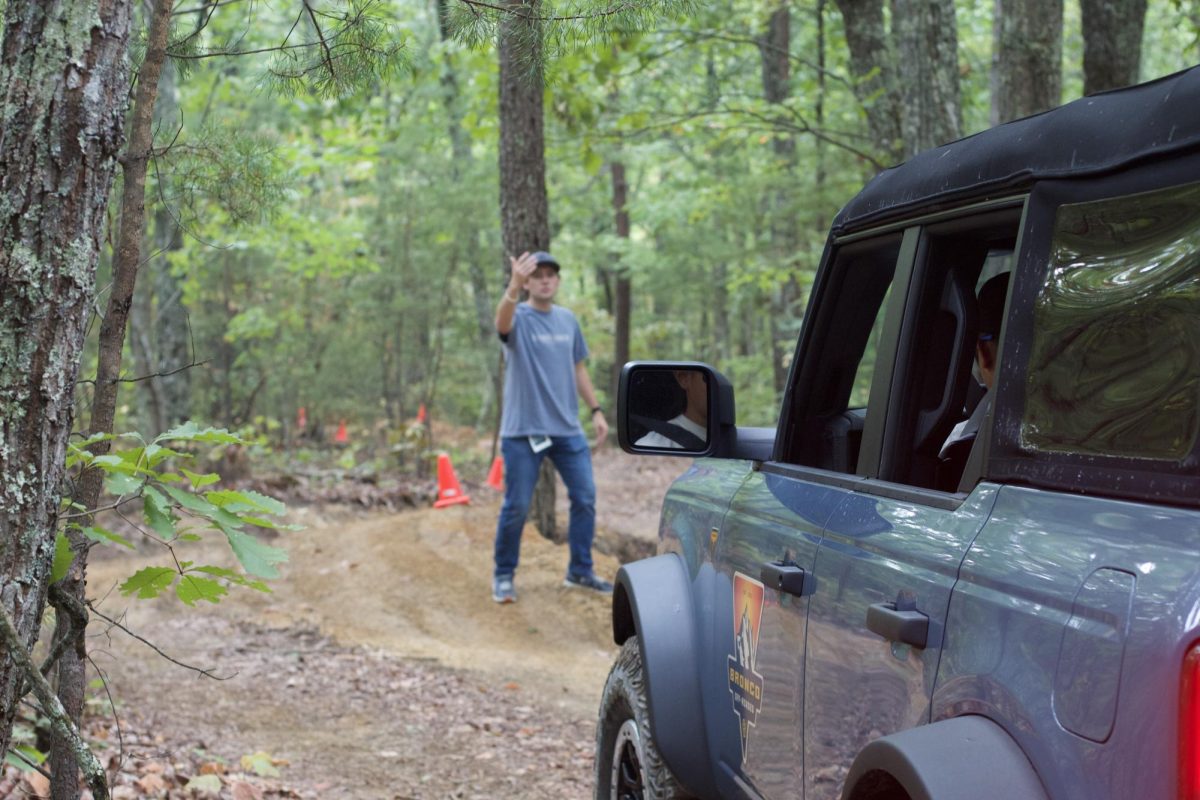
(745, 684)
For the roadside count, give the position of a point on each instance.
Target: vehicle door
(765, 550)
(891, 550)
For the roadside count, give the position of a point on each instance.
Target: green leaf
(121, 484)
(191, 432)
(149, 581)
(238, 502)
(260, 764)
(30, 753)
(155, 454)
(98, 534)
(192, 588)
(204, 783)
(255, 557)
(191, 502)
(83, 444)
(158, 513)
(63, 556)
(200, 481)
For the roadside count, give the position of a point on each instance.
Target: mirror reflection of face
(668, 409)
(696, 389)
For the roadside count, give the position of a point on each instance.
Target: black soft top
(1092, 135)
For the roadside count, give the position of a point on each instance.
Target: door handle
(899, 621)
(786, 577)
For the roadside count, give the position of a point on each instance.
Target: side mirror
(677, 408)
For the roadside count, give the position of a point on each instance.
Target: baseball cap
(542, 257)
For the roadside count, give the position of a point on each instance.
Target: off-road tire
(624, 700)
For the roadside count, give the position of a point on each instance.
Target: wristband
(596, 409)
(510, 298)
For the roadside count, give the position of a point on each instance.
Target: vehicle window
(861, 391)
(1115, 361)
(946, 360)
(831, 386)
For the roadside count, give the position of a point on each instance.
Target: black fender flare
(962, 758)
(652, 599)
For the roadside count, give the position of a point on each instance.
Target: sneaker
(503, 590)
(588, 581)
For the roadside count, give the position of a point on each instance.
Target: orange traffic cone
(341, 437)
(449, 492)
(495, 478)
(421, 413)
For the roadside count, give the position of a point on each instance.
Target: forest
(285, 226)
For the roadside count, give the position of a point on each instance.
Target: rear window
(1115, 362)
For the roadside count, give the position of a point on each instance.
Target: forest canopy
(328, 250)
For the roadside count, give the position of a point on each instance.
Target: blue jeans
(573, 460)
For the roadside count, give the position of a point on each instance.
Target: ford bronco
(966, 562)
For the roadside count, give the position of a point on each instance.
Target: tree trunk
(872, 63)
(927, 46)
(721, 332)
(775, 50)
(1112, 43)
(624, 287)
(1026, 58)
(65, 81)
(72, 665)
(524, 206)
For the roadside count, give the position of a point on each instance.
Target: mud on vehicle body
(865, 601)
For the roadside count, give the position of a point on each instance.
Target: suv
(868, 601)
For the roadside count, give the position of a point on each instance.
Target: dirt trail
(379, 667)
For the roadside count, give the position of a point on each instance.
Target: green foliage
(24, 757)
(564, 27)
(63, 556)
(341, 244)
(238, 175)
(174, 502)
(355, 47)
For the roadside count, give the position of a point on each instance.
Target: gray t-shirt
(542, 350)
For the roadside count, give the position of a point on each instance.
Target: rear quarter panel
(1068, 626)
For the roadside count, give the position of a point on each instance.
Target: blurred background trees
(341, 251)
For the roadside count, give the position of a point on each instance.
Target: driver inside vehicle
(957, 446)
(686, 430)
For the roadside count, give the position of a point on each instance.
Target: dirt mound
(379, 667)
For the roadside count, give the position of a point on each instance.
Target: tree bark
(524, 205)
(624, 285)
(927, 46)
(872, 62)
(1112, 43)
(126, 261)
(775, 51)
(1026, 58)
(65, 80)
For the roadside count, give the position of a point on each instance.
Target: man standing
(545, 354)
